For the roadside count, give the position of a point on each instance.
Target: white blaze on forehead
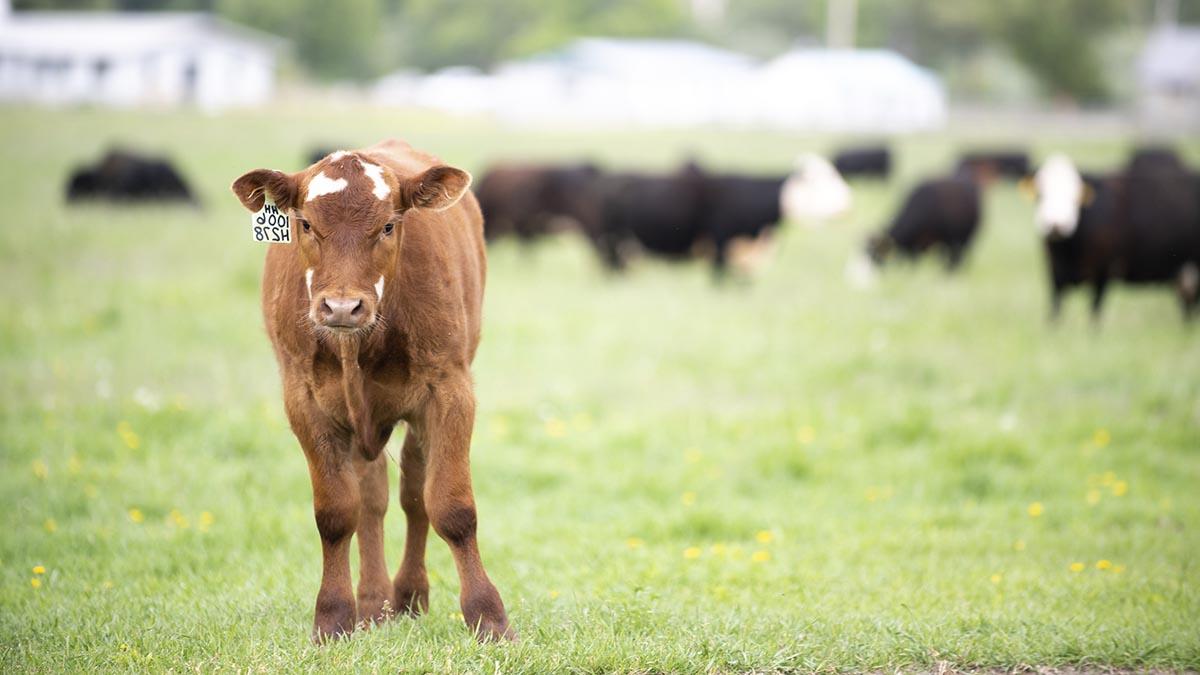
(337, 155)
(375, 173)
(1060, 192)
(322, 185)
(308, 281)
(379, 288)
(814, 192)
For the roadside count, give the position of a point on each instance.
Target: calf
(866, 161)
(124, 176)
(533, 201)
(374, 316)
(1139, 226)
(941, 213)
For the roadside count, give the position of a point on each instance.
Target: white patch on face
(337, 155)
(379, 289)
(375, 173)
(308, 281)
(814, 192)
(1060, 192)
(322, 185)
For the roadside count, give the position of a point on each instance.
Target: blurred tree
(331, 39)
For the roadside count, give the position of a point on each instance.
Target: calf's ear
(255, 186)
(437, 188)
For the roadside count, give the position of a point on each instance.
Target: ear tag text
(270, 225)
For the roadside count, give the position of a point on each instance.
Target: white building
(1169, 80)
(677, 83)
(128, 59)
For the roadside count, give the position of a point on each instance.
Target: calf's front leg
(450, 504)
(336, 505)
(375, 602)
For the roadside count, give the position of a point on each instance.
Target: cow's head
(1060, 193)
(814, 191)
(347, 216)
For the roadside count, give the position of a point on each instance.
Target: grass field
(671, 476)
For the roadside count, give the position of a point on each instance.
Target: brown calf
(374, 314)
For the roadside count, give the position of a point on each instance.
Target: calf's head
(1060, 192)
(347, 218)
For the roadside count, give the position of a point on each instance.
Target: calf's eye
(307, 227)
(387, 229)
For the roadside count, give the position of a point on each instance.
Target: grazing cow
(677, 215)
(989, 165)
(124, 176)
(1140, 226)
(866, 161)
(533, 201)
(374, 316)
(941, 213)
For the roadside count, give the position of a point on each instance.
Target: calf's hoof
(375, 608)
(334, 620)
(484, 614)
(412, 598)
(491, 631)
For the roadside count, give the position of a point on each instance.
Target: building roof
(83, 34)
(1171, 57)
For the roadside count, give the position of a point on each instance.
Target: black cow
(679, 215)
(865, 161)
(1139, 226)
(940, 213)
(531, 201)
(1013, 164)
(128, 177)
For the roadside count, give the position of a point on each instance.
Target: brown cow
(374, 315)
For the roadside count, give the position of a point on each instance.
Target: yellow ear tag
(270, 225)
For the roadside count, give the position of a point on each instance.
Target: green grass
(891, 443)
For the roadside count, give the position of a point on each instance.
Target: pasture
(672, 476)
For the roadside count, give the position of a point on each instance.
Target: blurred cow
(874, 161)
(993, 164)
(530, 201)
(1139, 226)
(940, 213)
(728, 215)
(124, 176)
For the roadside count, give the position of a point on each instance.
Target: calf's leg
(375, 601)
(412, 581)
(336, 507)
(451, 505)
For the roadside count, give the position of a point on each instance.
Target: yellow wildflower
(40, 469)
(1077, 567)
(555, 428)
(74, 466)
(764, 537)
(693, 455)
(1117, 569)
(1036, 509)
(1101, 438)
(688, 498)
(1093, 497)
(718, 550)
(1119, 488)
(634, 542)
(131, 439)
(1019, 545)
(691, 552)
(761, 556)
(51, 525)
(806, 435)
(1103, 564)
(996, 578)
(553, 595)
(136, 515)
(39, 569)
(35, 582)
(179, 520)
(206, 521)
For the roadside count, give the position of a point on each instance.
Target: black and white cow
(1140, 226)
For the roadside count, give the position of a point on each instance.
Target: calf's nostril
(358, 309)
